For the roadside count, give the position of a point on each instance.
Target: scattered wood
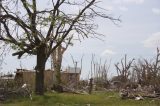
(23, 91)
(139, 98)
(75, 91)
(138, 95)
(68, 89)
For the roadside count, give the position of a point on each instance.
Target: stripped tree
(148, 72)
(123, 71)
(56, 62)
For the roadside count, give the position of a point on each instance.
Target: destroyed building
(70, 76)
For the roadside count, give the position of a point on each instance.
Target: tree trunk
(40, 67)
(57, 83)
(90, 85)
(57, 60)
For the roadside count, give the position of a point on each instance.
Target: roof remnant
(75, 70)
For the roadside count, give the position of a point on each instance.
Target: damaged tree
(30, 28)
(148, 73)
(56, 58)
(99, 72)
(123, 71)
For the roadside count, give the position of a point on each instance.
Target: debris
(123, 94)
(2, 98)
(23, 91)
(24, 85)
(139, 98)
(137, 94)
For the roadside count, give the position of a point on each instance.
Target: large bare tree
(35, 29)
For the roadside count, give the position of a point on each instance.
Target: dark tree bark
(41, 61)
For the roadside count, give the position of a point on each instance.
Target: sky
(137, 35)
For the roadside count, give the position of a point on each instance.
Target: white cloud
(156, 11)
(152, 41)
(129, 1)
(108, 52)
(122, 8)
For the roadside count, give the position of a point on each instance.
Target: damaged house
(70, 76)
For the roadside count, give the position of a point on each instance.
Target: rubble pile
(139, 93)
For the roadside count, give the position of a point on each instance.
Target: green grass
(66, 99)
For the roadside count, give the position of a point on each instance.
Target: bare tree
(24, 21)
(99, 72)
(56, 58)
(76, 68)
(148, 72)
(123, 71)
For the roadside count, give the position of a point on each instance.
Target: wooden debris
(138, 95)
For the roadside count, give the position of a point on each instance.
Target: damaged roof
(75, 70)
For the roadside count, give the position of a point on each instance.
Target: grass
(66, 99)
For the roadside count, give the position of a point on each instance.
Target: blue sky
(137, 35)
